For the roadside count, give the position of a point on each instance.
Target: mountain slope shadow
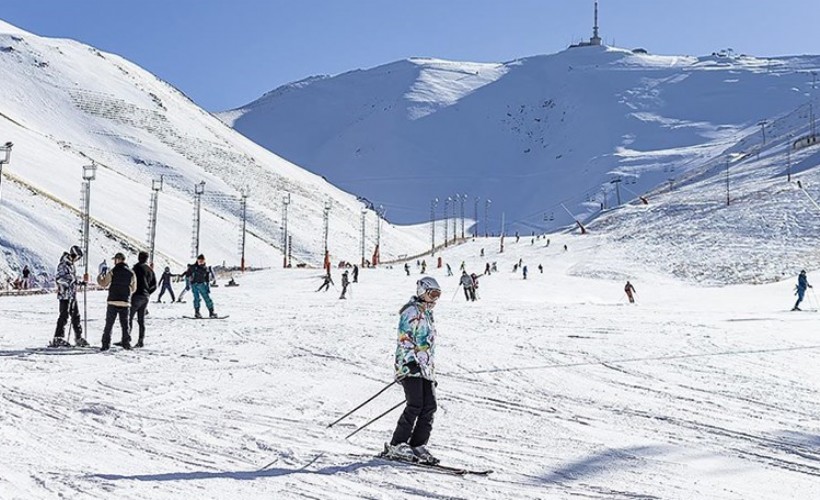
(609, 460)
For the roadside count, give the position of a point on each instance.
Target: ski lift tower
(596, 39)
(156, 187)
(89, 174)
(199, 190)
(6, 149)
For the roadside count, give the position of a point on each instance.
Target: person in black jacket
(121, 283)
(165, 281)
(146, 285)
(200, 274)
(345, 283)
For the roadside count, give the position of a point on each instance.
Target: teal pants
(202, 291)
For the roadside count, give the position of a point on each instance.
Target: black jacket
(120, 288)
(198, 274)
(146, 279)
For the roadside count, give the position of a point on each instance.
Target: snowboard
(206, 317)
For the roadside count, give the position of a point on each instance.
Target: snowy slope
(527, 134)
(554, 382)
(66, 104)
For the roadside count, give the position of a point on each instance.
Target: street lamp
(7, 149)
(487, 217)
(199, 190)
(156, 187)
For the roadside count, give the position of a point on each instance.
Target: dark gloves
(413, 367)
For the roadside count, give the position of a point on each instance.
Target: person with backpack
(121, 283)
(200, 274)
(67, 284)
(165, 281)
(800, 291)
(146, 285)
(469, 287)
(416, 372)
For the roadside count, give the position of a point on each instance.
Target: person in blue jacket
(802, 284)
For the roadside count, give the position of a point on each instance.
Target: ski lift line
(636, 360)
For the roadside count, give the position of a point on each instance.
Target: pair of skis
(445, 469)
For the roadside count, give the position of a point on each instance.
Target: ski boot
(58, 342)
(212, 314)
(197, 315)
(402, 452)
(139, 343)
(424, 456)
(81, 342)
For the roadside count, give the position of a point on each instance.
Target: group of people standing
(129, 291)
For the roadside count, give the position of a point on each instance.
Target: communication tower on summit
(596, 39)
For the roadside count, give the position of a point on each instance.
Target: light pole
(7, 150)
(156, 187)
(727, 182)
(285, 239)
(475, 216)
(455, 220)
(762, 124)
(377, 254)
(364, 221)
(89, 174)
(617, 183)
(446, 222)
(243, 209)
(326, 223)
(433, 204)
(463, 199)
(199, 190)
(487, 217)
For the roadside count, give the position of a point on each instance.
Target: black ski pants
(111, 314)
(166, 287)
(416, 421)
(139, 304)
(68, 309)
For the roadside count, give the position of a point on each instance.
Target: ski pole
(380, 416)
(369, 400)
(454, 294)
(85, 311)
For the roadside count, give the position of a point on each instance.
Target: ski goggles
(433, 294)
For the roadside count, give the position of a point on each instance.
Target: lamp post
(243, 208)
(89, 174)
(487, 217)
(433, 204)
(455, 220)
(475, 216)
(285, 240)
(199, 190)
(7, 158)
(463, 199)
(156, 187)
(364, 222)
(446, 222)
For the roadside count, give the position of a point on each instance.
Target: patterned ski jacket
(416, 341)
(66, 279)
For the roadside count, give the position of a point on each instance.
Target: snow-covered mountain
(529, 134)
(66, 104)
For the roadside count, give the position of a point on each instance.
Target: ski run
(555, 383)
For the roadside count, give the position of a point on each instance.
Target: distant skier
(524, 271)
(326, 283)
(469, 287)
(355, 274)
(540, 268)
(165, 281)
(482, 252)
(802, 284)
(26, 277)
(487, 269)
(146, 285)
(423, 267)
(199, 273)
(629, 289)
(67, 295)
(515, 267)
(565, 248)
(449, 270)
(415, 371)
(462, 267)
(407, 268)
(495, 267)
(345, 283)
(121, 283)
(517, 237)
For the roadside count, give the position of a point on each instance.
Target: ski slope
(528, 134)
(66, 105)
(555, 383)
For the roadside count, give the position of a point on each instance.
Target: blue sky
(225, 53)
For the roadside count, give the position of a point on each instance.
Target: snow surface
(66, 104)
(528, 134)
(555, 383)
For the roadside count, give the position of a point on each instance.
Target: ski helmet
(426, 284)
(76, 252)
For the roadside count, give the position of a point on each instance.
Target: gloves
(413, 367)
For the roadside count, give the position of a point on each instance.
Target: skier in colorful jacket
(415, 370)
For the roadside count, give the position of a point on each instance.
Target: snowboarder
(802, 284)
(415, 371)
(540, 268)
(487, 269)
(67, 295)
(462, 267)
(449, 270)
(565, 248)
(629, 289)
(121, 283)
(199, 273)
(407, 268)
(469, 287)
(355, 274)
(26, 277)
(146, 285)
(165, 281)
(326, 283)
(524, 271)
(345, 283)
